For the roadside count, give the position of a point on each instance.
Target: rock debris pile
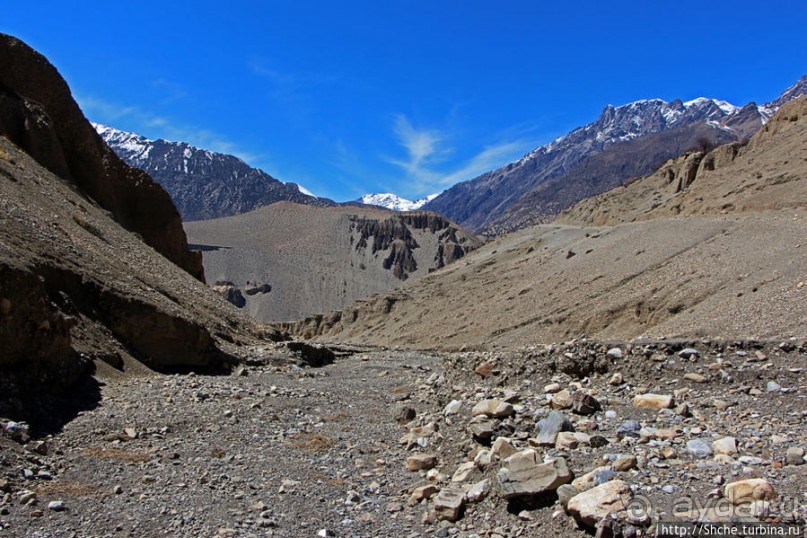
(568, 440)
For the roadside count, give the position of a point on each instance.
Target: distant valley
(319, 259)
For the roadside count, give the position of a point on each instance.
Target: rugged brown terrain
(717, 249)
(514, 437)
(387, 443)
(316, 259)
(86, 250)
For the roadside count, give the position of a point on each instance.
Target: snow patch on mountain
(303, 190)
(394, 202)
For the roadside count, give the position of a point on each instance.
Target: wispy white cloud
(427, 167)
(422, 146)
(155, 126)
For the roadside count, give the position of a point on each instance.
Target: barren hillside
(717, 250)
(286, 261)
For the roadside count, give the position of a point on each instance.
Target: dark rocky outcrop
(38, 114)
(394, 236)
(85, 242)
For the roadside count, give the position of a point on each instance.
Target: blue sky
(352, 97)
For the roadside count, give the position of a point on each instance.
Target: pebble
(57, 506)
(795, 456)
(699, 448)
(421, 462)
(653, 401)
(726, 446)
(773, 386)
(754, 489)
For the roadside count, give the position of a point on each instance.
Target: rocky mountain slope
(38, 113)
(624, 142)
(317, 259)
(86, 249)
(717, 249)
(203, 184)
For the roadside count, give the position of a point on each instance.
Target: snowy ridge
(204, 184)
(394, 202)
(648, 116)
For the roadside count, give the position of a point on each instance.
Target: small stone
(773, 386)
(726, 446)
(38, 447)
(483, 459)
(597, 441)
(688, 353)
(465, 472)
(482, 430)
(478, 492)
(566, 440)
(589, 507)
(625, 463)
(699, 448)
(492, 408)
(653, 401)
(629, 428)
(421, 462)
(561, 400)
(452, 408)
(584, 404)
(549, 427)
(522, 475)
(745, 491)
(616, 379)
(117, 490)
(485, 369)
(552, 388)
(423, 492)
(683, 410)
(697, 378)
(721, 405)
(27, 497)
(131, 433)
(614, 353)
(404, 414)
(57, 506)
(795, 456)
(325, 533)
(449, 502)
(593, 478)
(503, 447)
(565, 493)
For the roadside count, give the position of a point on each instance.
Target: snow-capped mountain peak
(394, 202)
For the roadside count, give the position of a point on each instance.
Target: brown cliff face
(38, 114)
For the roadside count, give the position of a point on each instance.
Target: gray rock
(614, 353)
(629, 428)
(795, 456)
(551, 426)
(699, 448)
(522, 475)
(57, 506)
(773, 386)
(688, 353)
(449, 502)
(565, 493)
